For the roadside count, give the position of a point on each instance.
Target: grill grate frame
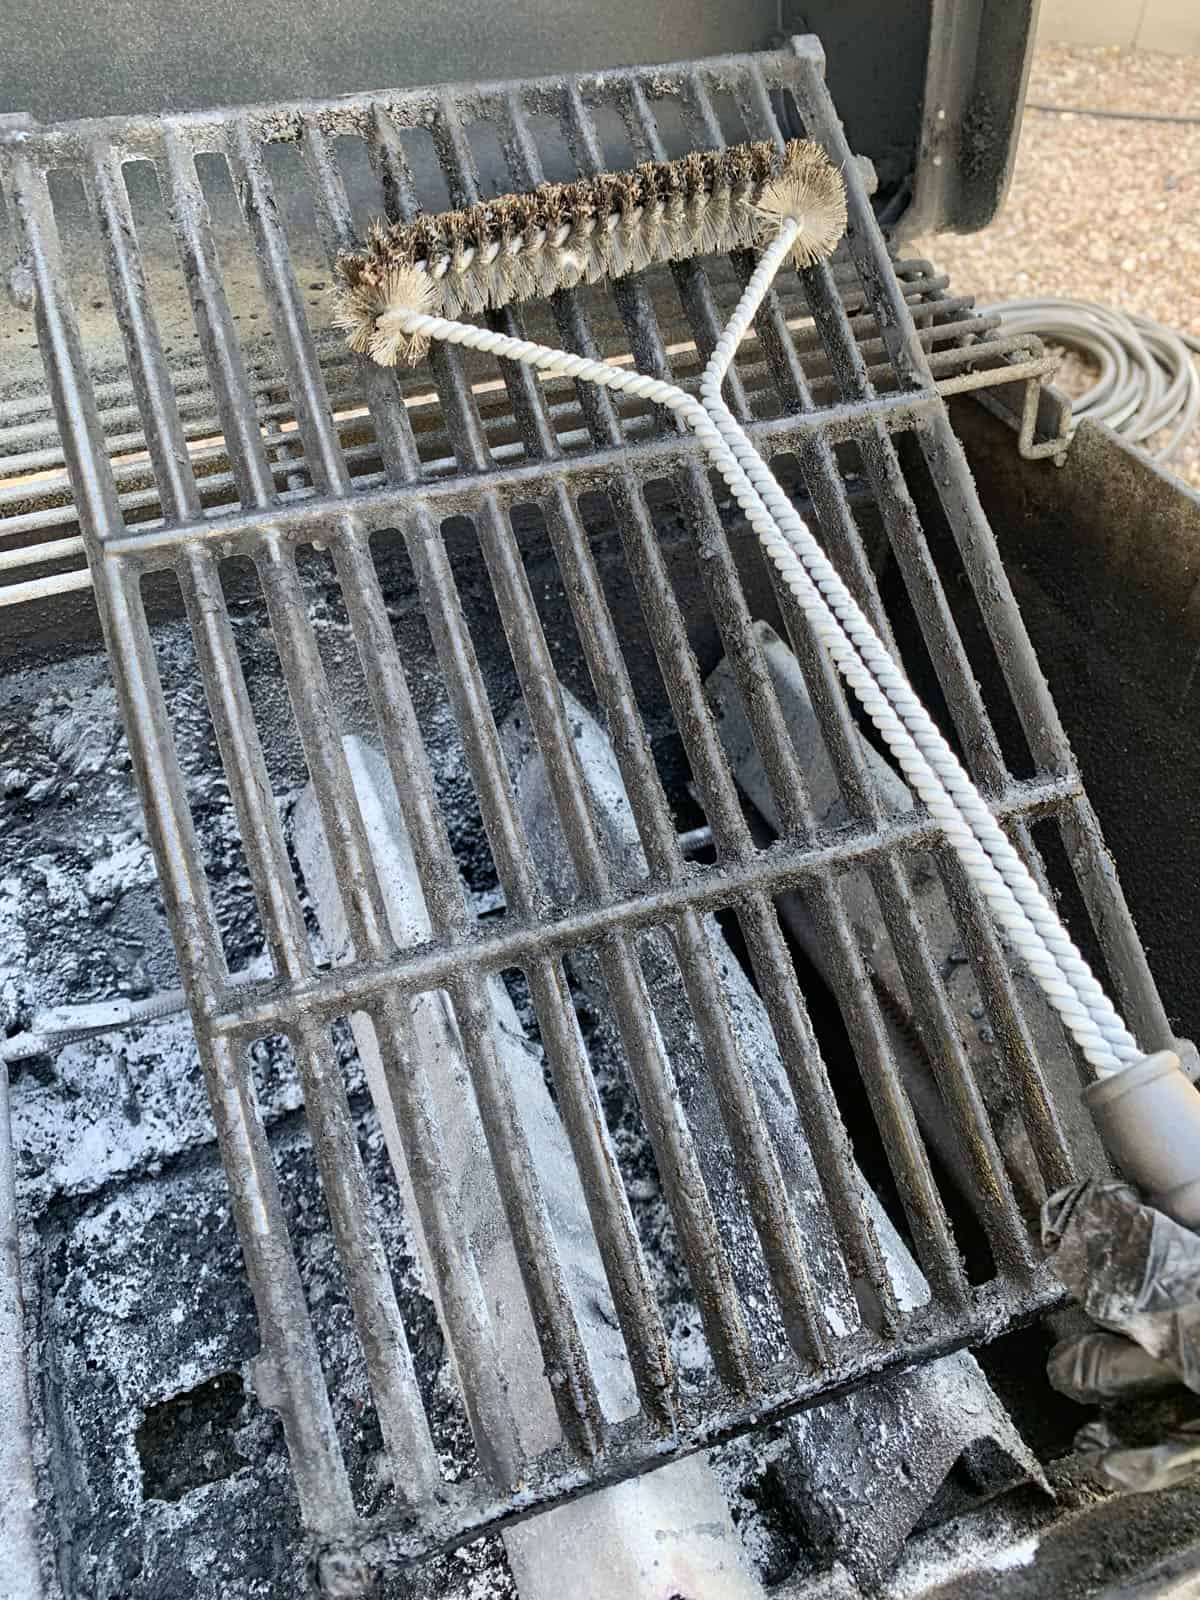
(302, 1000)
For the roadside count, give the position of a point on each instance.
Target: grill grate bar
(372, 1296)
(289, 1370)
(754, 1152)
(943, 323)
(810, 1083)
(461, 1294)
(306, 386)
(651, 812)
(252, 1012)
(610, 678)
(462, 1304)
(151, 380)
(402, 1418)
(670, 1139)
(967, 711)
(1002, 1220)
(525, 1205)
(690, 277)
(629, 294)
(776, 340)
(522, 385)
(1012, 1032)
(740, 1109)
(384, 396)
(910, 1167)
(926, 989)
(389, 1540)
(313, 516)
(679, 1167)
(1047, 739)
(612, 1220)
(384, 674)
(214, 323)
(905, 1150)
(566, 1359)
(673, 1148)
(936, 1249)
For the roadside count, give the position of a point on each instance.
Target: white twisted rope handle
(837, 621)
(935, 757)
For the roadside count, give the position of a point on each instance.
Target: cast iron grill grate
(879, 400)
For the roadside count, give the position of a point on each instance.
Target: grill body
(601, 498)
(931, 89)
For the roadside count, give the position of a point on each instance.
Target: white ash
(136, 1290)
(998, 1544)
(119, 1178)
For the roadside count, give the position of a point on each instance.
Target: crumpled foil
(1136, 1274)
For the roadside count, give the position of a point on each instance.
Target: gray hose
(1149, 380)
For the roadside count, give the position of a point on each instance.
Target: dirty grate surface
(39, 527)
(606, 564)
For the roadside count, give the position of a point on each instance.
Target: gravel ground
(1099, 209)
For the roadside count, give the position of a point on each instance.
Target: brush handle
(1149, 1118)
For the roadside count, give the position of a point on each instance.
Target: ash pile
(160, 1473)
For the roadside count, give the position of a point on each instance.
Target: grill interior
(418, 559)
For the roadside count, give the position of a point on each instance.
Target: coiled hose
(1149, 380)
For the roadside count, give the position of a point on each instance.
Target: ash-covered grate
(892, 441)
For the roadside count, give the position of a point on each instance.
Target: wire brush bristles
(398, 284)
(526, 246)
(808, 191)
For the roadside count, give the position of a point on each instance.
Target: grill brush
(792, 200)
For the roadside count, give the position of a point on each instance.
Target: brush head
(384, 285)
(527, 246)
(808, 191)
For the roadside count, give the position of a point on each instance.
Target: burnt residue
(160, 1460)
(980, 138)
(188, 1440)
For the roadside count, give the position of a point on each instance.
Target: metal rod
(649, 1066)
(410, 1451)
(214, 323)
(738, 1101)
(316, 516)
(784, 867)
(772, 967)
(925, 987)
(678, 1166)
(1136, 990)
(402, 1420)
(566, 1358)
(755, 1156)
(391, 1543)
(20, 1570)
